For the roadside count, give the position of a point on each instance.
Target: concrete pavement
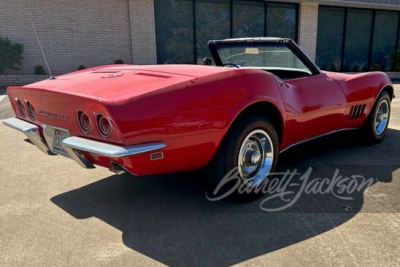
(54, 213)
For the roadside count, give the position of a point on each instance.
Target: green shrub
(39, 70)
(396, 61)
(119, 61)
(10, 54)
(207, 61)
(356, 68)
(81, 67)
(377, 67)
(333, 67)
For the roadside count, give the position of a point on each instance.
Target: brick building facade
(91, 33)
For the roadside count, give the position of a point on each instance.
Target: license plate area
(54, 138)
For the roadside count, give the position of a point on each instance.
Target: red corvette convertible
(263, 96)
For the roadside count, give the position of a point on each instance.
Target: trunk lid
(118, 83)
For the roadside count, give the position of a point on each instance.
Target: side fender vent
(356, 112)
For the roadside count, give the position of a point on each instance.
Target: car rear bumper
(30, 130)
(75, 146)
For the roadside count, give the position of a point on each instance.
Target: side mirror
(207, 61)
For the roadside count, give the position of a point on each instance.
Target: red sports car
(263, 96)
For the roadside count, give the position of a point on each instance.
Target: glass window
(174, 29)
(282, 20)
(261, 55)
(384, 40)
(174, 22)
(330, 38)
(248, 19)
(212, 23)
(396, 58)
(358, 34)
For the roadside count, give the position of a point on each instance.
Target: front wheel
(375, 126)
(246, 157)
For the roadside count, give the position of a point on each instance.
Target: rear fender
(192, 118)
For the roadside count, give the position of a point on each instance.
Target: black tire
(227, 157)
(368, 130)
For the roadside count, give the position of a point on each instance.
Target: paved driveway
(54, 213)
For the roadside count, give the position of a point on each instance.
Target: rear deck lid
(118, 83)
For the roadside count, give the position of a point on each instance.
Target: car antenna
(41, 49)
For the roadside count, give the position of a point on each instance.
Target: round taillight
(84, 122)
(104, 125)
(31, 111)
(21, 108)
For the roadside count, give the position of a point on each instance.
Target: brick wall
(18, 80)
(308, 23)
(72, 32)
(143, 31)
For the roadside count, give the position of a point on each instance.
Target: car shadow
(169, 219)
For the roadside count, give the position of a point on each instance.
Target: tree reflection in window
(174, 29)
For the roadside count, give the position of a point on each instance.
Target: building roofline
(350, 3)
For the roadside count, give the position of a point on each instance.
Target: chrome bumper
(76, 145)
(31, 131)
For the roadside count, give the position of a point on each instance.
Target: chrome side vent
(356, 112)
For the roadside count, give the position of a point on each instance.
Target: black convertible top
(251, 40)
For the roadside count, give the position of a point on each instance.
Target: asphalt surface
(54, 213)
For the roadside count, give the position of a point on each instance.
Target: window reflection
(212, 23)
(281, 20)
(330, 38)
(174, 29)
(248, 19)
(384, 41)
(175, 22)
(358, 34)
(359, 54)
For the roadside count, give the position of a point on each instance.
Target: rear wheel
(375, 126)
(246, 157)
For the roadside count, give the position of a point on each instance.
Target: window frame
(371, 39)
(231, 22)
(212, 45)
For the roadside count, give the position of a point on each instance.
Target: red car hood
(116, 83)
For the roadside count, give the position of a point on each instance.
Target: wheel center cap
(255, 157)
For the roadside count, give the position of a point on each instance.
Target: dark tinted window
(330, 38)
(248, 18)
(179, 42)
(212, 22)
(358, 33)
(174, 29)
(281, 20)
(384, 40)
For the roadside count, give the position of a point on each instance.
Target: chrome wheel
(256, 157)
(381, 117)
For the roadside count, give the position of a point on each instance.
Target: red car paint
(190, 108)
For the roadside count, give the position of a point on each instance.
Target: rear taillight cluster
(31, 111)
(103, 123)
(25, 108)
(84, 121)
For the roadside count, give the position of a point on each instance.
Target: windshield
(263, 55)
